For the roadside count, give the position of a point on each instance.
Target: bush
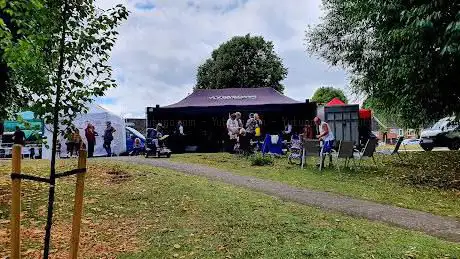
(260, 160)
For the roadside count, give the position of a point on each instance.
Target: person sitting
(307, 133)
(136, 147)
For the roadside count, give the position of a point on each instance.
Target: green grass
(402, 148)
(393, 182)
(144, 212)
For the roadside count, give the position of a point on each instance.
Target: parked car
(411, 141)
(444, 133)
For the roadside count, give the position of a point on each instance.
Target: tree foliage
(243, 61)
(34, 58)
(58, 62)
(325, 94)
(405, 54)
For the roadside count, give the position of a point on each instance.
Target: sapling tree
(60, 63)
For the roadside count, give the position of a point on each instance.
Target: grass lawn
(402, 148)
(143, 212)
(406, 184)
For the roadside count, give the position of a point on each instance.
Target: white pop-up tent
(98, 116)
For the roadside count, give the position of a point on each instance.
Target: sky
(163, 42)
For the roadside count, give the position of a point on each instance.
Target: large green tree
(243, 61)
(404, 54)
(325, 94)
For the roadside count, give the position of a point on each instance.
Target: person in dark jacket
(90, 134)
(19, 137)
(108, 138)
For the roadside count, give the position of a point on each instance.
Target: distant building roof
(233, 96)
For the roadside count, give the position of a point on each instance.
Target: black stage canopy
(204, 114)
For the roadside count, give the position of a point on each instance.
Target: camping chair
(395, 150)
(273, 144)
(345, 151)
(309, 148)
(368, 151)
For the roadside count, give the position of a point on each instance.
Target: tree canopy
(34, 60)
(325, 94)
(405, 55)
(243, 61)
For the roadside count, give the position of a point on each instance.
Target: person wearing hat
(108, 138)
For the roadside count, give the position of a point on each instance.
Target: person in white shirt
(233, 128)
(180, 128)
(326, 136)
(238, 119)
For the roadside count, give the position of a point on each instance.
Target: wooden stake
(78, 207)
(16, 204)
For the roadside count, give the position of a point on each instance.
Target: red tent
(335, 102)
(365, 114)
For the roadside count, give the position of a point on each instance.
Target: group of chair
(345, 151)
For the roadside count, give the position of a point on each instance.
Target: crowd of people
(74, 141)
(244, 135)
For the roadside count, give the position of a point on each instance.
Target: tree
(405, 54)
(325, 94)
(7, 91)
(387, 119)
(243, 61)
(63, 50)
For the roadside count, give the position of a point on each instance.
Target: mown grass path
(444, 227)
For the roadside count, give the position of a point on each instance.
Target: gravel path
(444, 227)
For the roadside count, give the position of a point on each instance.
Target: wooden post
(16, 204)
(78, 207)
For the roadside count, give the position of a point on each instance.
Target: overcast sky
(163, 42)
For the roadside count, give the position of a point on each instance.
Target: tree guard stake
(78, 207)
(16, 204)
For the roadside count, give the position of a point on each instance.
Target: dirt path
(444, 227)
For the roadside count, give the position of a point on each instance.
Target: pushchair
(295, 155)
(156, 144)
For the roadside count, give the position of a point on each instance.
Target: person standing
(108, 138)
(238, 119)
(69, 142)
(77, 141)
(180, 137)
(90, 134)
(326, 136)
(19, 137)
(252, 125)
(233, 130)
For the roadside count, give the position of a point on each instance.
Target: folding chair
(345, 151)
(395, 150)
(309, 148)
(368, 150)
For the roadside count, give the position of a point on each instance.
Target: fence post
(78, 207)
(16, 204)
